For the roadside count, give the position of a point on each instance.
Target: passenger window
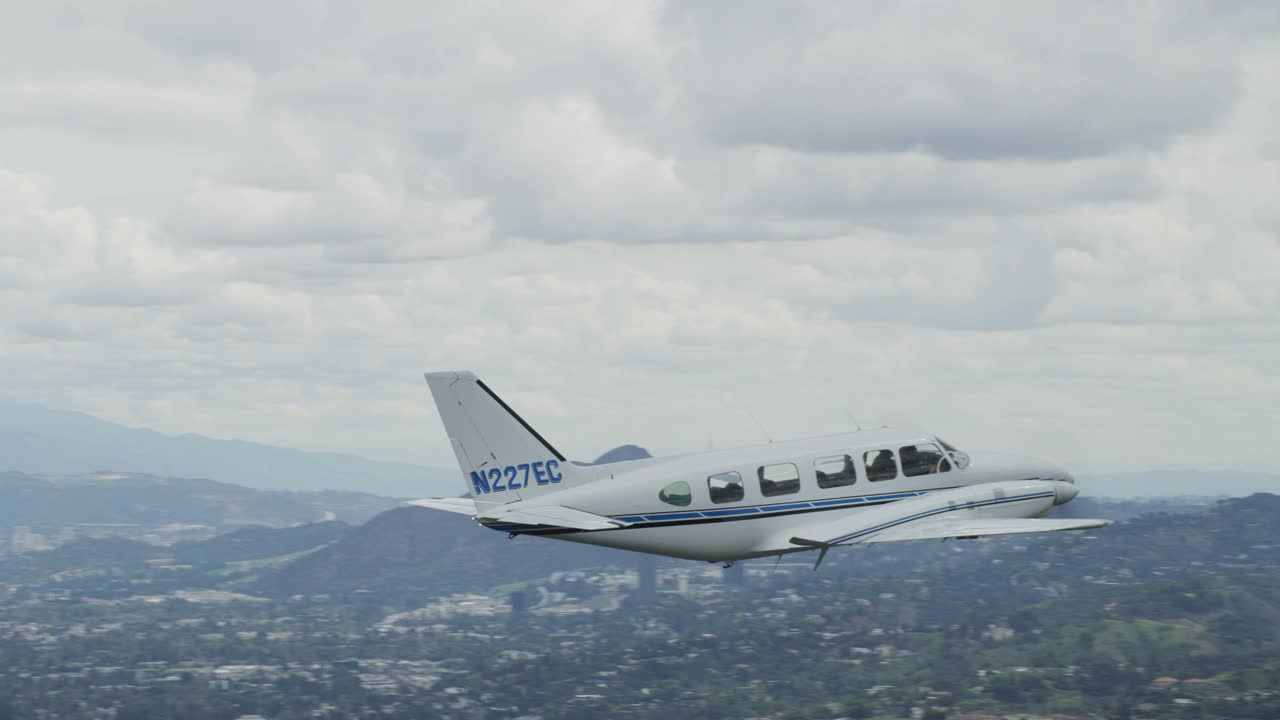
(835, 471)
(725, 487)
(780, 479)
(677, 493)
(923, 459)
(880, 465)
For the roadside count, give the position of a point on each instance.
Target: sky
(1043, 227)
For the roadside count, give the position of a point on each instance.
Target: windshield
(961, 458)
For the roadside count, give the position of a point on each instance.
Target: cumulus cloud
(352, 214)
(1050, 229)
(978, 81)
(560, 171)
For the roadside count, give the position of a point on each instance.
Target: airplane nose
(1064, 492)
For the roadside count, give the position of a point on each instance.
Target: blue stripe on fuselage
(688, 517)
(730, 511)
(769, 509)
(674, 516)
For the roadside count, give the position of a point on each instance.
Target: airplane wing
(942, 528)
(462, 506)
(553, 515)
(953, 528)
(544, 515)
(966, 512)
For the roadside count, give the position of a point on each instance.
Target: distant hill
(409, 553)
(1129, 508)
(1173, 482)
(147, 500)
(413, 552)
(115, 557)
(622, 453)
(256, 543)
(98, 553)
(36, 439)
(1230, 528)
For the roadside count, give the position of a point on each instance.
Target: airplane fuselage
(881, 485)
(748, 502)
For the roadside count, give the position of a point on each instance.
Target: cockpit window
(923, 459)
(725, 487)
(880, 465)
(677, 493)
(959, 457)
(835, 471)
(779, 479)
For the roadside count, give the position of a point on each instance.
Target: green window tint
(677, 493)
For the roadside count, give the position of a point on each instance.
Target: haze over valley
(251, 599)
(1160, 615)
(954, 329)
(44, 441)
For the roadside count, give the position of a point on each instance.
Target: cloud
(557, 170)
(913, 188)
(974, 82)
(1048, 229)
(352, 214)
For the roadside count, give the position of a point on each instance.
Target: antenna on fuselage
(852, 422)
(760, 425)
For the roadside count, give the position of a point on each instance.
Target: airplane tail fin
(502, 458)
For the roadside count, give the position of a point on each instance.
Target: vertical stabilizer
(502, 458)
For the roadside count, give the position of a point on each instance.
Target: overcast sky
(1044, 227)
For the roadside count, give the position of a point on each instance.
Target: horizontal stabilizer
(962, 528)
(462, 506)
(554, 515)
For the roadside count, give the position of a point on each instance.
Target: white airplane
(728, 505)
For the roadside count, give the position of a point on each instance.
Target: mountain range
(409, 553)
(413, 552)
(55, 501)
(1177, 481)
(37, 439)
(406, 554)
(40, 440)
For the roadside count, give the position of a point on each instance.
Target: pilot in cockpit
(911, 464)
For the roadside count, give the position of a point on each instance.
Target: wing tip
(1091, 524)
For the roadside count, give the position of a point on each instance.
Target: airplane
(723, 506)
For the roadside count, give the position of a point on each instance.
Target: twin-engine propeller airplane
(727, 505)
